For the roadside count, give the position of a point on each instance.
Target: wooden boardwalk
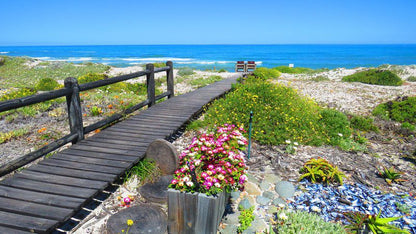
(45, 195)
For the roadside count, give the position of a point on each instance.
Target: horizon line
(220, 44)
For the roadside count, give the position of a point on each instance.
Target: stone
(285, 189)
(269, 194)
(278, 201)
(271, 178)
(235, 195)
(263, 200)
(245, 204)
(272, 210)
(252, 179)
(164, 154)
(146, 219)
(257, 226)
(252, 189)
(265, 185)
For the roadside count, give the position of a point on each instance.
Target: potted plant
(210, 167)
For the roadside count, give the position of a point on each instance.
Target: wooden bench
(240, 66)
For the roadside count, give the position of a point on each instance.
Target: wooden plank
(82, 166)
(107, 137)
(64, 180)
(131, 147)
(29, 223)
(41, 198)
(148, 138)
(102, 155)
(13, 231)
(108, 149)
(35, 209)
(149, 123)
(49, 188)
(126, 142)
(73, 173)
(97, 161)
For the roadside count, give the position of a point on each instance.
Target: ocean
(224, 56)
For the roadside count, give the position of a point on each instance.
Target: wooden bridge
(46, 195)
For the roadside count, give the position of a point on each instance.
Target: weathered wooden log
(156, 191)
(193, 213)
(150, 82)
(169, 78)
(146, 219)
(73, 102)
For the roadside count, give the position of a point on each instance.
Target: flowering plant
(213, 162)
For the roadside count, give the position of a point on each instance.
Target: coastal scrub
(375, 76)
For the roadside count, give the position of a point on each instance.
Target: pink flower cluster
(213, 162)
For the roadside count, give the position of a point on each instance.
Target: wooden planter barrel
(195, 212)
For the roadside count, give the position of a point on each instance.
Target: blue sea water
(224, 56)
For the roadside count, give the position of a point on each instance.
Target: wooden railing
(71, 91)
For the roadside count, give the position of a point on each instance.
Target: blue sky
(104, 22)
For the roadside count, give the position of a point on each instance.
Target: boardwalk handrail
(71, 92)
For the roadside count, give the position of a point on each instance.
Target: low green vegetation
(280, 114)
(299, 70)
(375, 76)
(411, 78)
(145, 170)
(365, 124)
(245, 219)
(320, 78)
(47, 84)
(185, 71)
(304, 222)
(17, 69)
(319, 170)
(374, 223)
(6, 136)
(400, 110)
(391, 175)
(199, 83)
(266, 73)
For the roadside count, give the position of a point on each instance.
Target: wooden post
(169, 78)
(150, 81)
(74, 109)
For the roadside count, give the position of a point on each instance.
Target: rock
(252, 189)
(262, 200)
(278, 201)
(252, 179)
(285, 189)
(235, 195)
(271, 178)
(265, 185)
(272, 210)
(165, 155)
(269, 194)
(245, 204)
(257, 226)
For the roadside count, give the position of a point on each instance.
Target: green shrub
(91, 77)
(408, 126)
(245, 219)
(199, 83)
(305, 223)
(2, 61)
(401, 110)
(47, 84)
(411, 78)
(158, 65)
(279, 113)
(375, 76)
(17, 93)
(293, 70)
(336, 124)
(363, 124)
(185, 71)
(264, 73)
(222, 70)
